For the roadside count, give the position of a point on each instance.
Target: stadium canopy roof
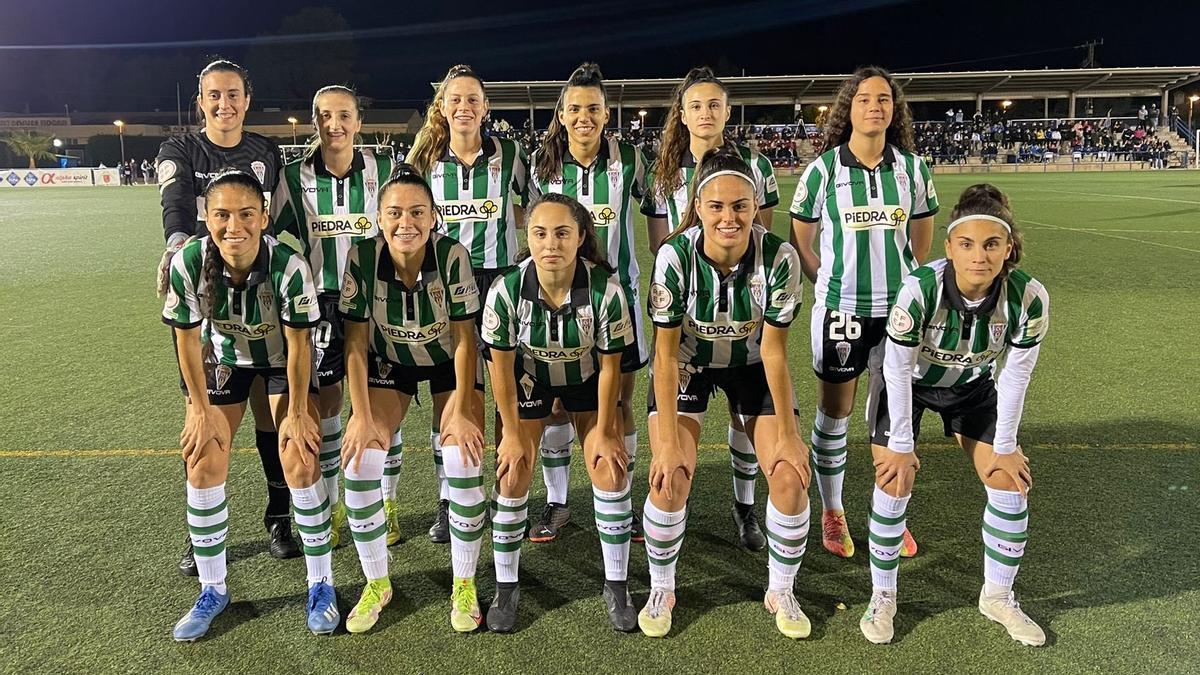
(815, 89)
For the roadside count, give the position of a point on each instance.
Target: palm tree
(30, 144)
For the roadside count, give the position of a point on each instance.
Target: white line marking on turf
(1111, 236)
(1116, 196)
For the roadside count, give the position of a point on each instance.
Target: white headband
(726, 172)
(994, 219)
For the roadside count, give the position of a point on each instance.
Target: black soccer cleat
(621, 612)
(636, 532)
(554, 518)
(439, 532)
(283, 545)
(187, 562)
(502, 614)
(749, 532)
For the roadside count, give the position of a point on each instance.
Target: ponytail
(434, 136)
(554, 140)
(676, 137)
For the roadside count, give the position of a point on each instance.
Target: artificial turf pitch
(93, 493)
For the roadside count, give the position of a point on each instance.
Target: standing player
(325, 202)
(724, 292)
(480, 185)
(696, 124)
(956, 321)
(184, 166)
(557, 325)
(409, 299)
(607, 177)
(241, 307)
(874, 201)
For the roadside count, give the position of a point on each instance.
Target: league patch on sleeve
(660, 297)
(491, 320)
(900, 321)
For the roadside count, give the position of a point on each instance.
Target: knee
(837, 410)
(294, 471)
(787, 487)
(1001, 481)
(210, 470)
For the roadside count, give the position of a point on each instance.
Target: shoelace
(1010, 602)
(463, 600)
(787, 603)
(369, 599)
(878, 602)
(834, 527)
(657, 604)
(207, 602)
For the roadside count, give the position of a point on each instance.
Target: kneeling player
(242, 306)
(953, 321)
(557, 325)
(725, 291)
(409, 299)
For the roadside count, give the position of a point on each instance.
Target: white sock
(365, 512)
(509, 515)
(208, 525)
(829, 457)
(787, 539)
(745, 466)
(435, 441)
(1005, 532)
(556, 461)
(614, 524)
(331, 456)
(311, 506)
(467, 504)
(886, 537)
(664, 539)
(392, 465)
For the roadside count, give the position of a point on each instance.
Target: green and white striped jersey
(246, 326)
(865, 215)
(956, 343)
(609, 187)
(478, 201)
(558, 347)
(410, 326)
(766, 190)
(321, 215)
(722, 315)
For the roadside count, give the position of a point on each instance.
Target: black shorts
(966, 409)
(745, 387)
(383, 374)
(329, 342)
(842, 344)
(230, 385)
(535, 399)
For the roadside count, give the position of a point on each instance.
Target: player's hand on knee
(611, 451)
(1015, 466)
(200, 429)
(900, 467)
(790, 450)
(666, 463)
(361, 434)
(510, 456)
(304, 432)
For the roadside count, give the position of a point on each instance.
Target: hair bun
(404, 169)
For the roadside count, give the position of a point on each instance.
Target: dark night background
(391, 54)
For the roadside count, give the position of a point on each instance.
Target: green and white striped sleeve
(499, 330)
(354, 303)
(783, 294)
(667, 300)
(298, 306)
(614, 331)
(907, 318)
(807, 203)
(462, 293)
(768, 195)
(925, 201)
(1033, 312)
(182, 306)
(520, 180)
(289, 224)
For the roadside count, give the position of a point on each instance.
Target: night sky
(392, 56)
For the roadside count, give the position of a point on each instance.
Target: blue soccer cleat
(323, 616)
(194, 625)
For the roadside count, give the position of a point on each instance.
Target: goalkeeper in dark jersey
(184, 166)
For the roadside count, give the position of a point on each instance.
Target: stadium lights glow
(120, 125)
(121, 134)
(822, 108)
(1193, 98)
(293, 121)
(58, 143)
(1005, 104)
(642, 115)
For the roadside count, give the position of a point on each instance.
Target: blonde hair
(434, 137)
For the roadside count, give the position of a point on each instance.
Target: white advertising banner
(30, 178)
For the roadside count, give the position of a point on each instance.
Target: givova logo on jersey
(417, 335)
(469, 209)
(349, 225)
(873, 217)
(706, 330)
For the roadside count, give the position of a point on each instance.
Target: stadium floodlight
(121, 134)
(293, 121)
(822, 108)
(58, 143)
(642, 117)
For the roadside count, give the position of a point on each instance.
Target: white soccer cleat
(1006, 611)
(876, 622)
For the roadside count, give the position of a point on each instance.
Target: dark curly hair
(837, 129)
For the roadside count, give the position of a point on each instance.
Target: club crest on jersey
(260, 170)
(384, 367)
(614, 170)
(372, 184)
(586, 320)
(758, 287)
(494, 170)
(902, 181)
(266, 298)
(436, 294)
(318, 356)
(997, 331)
(660, 297)
(843, 352)
(221, 374)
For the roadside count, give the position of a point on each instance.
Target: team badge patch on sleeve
(349, 287)
(166, 171)
(660, 297)
(491, 320)
(901, 322)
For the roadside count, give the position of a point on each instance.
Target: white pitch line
(1116, 196)
(1102, 229)
(1111, 236)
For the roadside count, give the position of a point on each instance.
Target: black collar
(954, 299)
(260, 269)
(848, 159)
(531, 290)
(744, 265)
(357, 164)
(449, 156)
(600, 160)
(689, 161)
(385, 270)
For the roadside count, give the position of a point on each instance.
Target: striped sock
(208, 524)
(664, 540)
(392, 464)
(1005, 523)
(631, 450)
(509, 515)
(745, 466)
(467, 503)
(331, 456)
(556, 461)
(313, 522)
(886, 536)
(614, 523)
(787, 538)
(435, 441)
(829, 457)
(364, 511)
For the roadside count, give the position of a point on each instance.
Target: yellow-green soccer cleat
(337, 522)
(789, 618)
(835, 534)
(876, 622)
(465, 615)
(655, 617)
(375, 596)
(1006, 611)
(391, 509)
